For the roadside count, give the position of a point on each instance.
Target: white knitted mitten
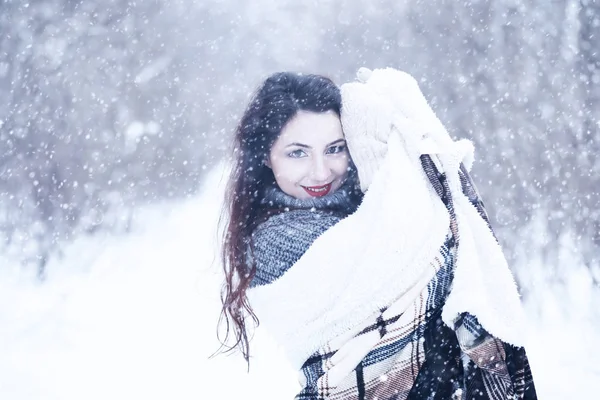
(367, 121)
(382, 100)
(386, 99)
(405, 96)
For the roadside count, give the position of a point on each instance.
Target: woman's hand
(367, 122)
(382, 100)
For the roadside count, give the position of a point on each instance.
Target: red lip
(317, 191)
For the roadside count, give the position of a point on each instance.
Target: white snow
(129, 317)
(152, 70)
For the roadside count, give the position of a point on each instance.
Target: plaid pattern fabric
(409, 353)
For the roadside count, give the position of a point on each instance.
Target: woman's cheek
(295, 170)
(341, 166)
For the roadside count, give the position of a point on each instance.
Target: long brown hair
(275, 103)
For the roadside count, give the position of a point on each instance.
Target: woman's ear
(267, 162)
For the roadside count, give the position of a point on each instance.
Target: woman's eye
(336, 149)
(297, 154)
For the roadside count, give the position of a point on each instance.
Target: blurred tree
(588, 147)
(496, 71)
(109, 104)
(503, 74)
(91, 123)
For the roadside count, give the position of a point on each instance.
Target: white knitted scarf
(382, 253)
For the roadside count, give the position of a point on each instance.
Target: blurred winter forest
(106, 105)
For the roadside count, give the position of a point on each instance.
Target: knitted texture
(484, 285)
(384, 253)
(284, 238)
(344, 200)
(381, 101)
(407, 353)
(404, 95)
(281, 240)
(360, 264)
(371, 122)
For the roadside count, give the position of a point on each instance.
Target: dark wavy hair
(274, 104)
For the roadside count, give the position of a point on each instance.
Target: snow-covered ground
(131, 317)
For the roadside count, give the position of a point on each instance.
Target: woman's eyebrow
(336, 141)
(299, 145)
(308, 147)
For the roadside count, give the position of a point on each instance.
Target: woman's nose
(320, 171)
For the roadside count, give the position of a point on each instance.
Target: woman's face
(310, 158)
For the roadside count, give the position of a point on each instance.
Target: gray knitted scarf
(282, 239)
(344, 199)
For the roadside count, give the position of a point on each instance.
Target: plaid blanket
(409, 353)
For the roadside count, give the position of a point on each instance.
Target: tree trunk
(589, 72)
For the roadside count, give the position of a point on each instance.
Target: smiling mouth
(317, 191)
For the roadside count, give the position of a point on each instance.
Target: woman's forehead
(312, 129)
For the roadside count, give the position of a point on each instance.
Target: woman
(367, 269)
